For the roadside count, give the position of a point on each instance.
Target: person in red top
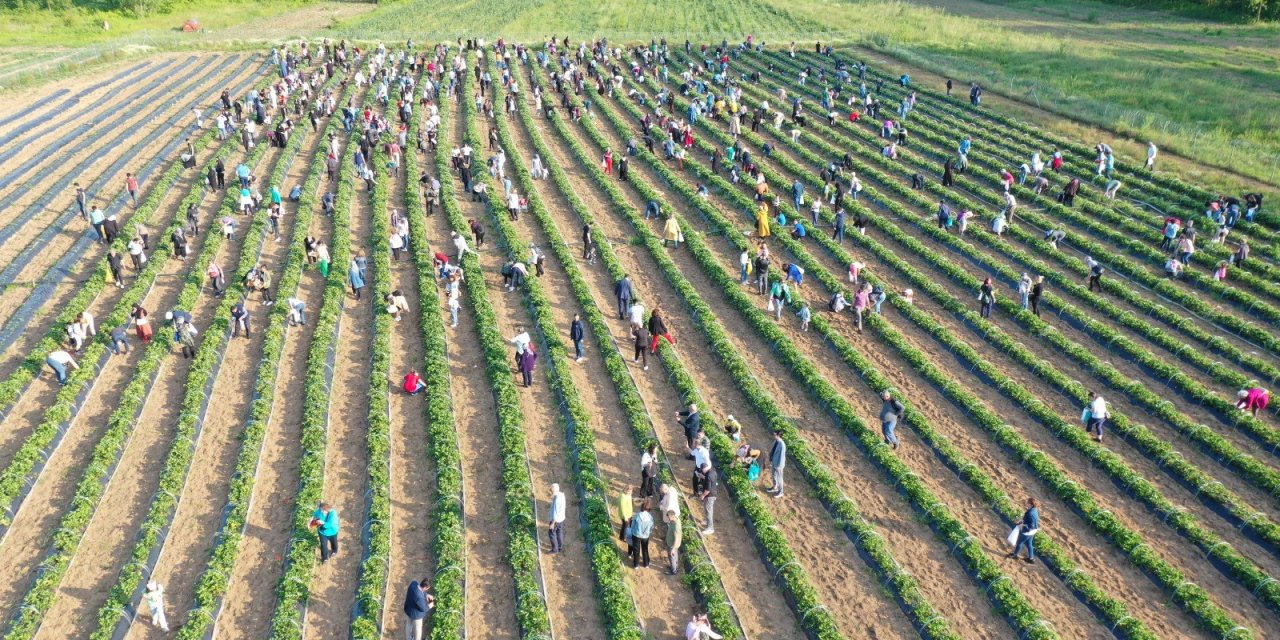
(607, 163)
(131, 185)
(413, 384)
(853, 116)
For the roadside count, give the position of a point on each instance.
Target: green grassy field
(1209, 91)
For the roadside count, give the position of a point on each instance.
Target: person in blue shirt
(418, 602)
(242, 172)
(797, 230)
(1027, 528)
(325, 520)
(576, 333)
(797, 194)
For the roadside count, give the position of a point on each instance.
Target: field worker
(1151, 156)
(891, 411)
(699, 628)
(986, 297)
(1095, 273)
(576, 333)
(1096, 415)
(355, 277)
(413, 384)
(658, 330)
(120, 340)
(710, 481)
(418, 602)
(297, 312)
(239, 320)
(526, 360)
(674, 536)
(154, 597)
(622, 292)
(325, 521)
(1112, 187)
(186, 335)
(1027, 527)
(1253, 400)
(82, 201)
(641, 530)
(555, 523)
(777, 463)
(131, 185)
(59, 361)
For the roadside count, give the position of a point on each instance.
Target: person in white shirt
(556, 523)
(636, 313)
(701, 454)
(154, 597)
(1151, 155)
(699, 628)
(59, 361)
(1096, 415)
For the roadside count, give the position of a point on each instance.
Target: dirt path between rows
(568, 574)
(657, 597)
(490, 587)
(346, 458)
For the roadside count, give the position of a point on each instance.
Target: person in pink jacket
(1252, 400)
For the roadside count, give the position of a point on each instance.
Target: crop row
(1169, 373)
(1120, 215)
(1157, 284)
(300, 558)
(372, 587)
(700, 573)
(904, 586)
(449, 542)
(121, 423)
(1008, 438)
(522, 535)
(212, 585)
(613, 595)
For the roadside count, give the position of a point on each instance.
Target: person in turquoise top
(325, 520)
(275, 194)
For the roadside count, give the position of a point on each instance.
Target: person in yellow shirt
(762, 220)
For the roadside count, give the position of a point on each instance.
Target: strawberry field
(202, 471)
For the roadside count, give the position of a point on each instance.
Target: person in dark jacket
(239, 320)
(622, 291)
(691, 421)
(418, 602)
(641, 336)
(777, 462)
(658, 329)
(576, 333)
(890, 412)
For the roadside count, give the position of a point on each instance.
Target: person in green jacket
(325, 521)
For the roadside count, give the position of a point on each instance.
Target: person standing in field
(154, 597)
(1151, 156)
(555, 525)
(1027, 527)
(986, 297)
(1096, 415)
(131, 185)
(622, 291)
(777, 462)
(1037, 290)
(418, 602)
(82, 201)
(325, 521)
(641, 530)
(709, 491)
(576, 333)
(355, 277)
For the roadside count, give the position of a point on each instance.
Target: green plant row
(372, 586)
(1120, 214)
(1006, 150)
(613, 595)
(1137, 179)
(1006, 436)
(448, 544)
(1138, 241)
(981, 483)
(1181, 322)
(522, 532)
(1035, 136)
(1255, 471)
(1169, 373)
(212, 584)
(1082, 583)
(121, 422)
(700, 572)
(17, 473)
(300, 558)
(871, 544)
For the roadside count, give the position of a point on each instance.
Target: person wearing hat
(154, 597)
